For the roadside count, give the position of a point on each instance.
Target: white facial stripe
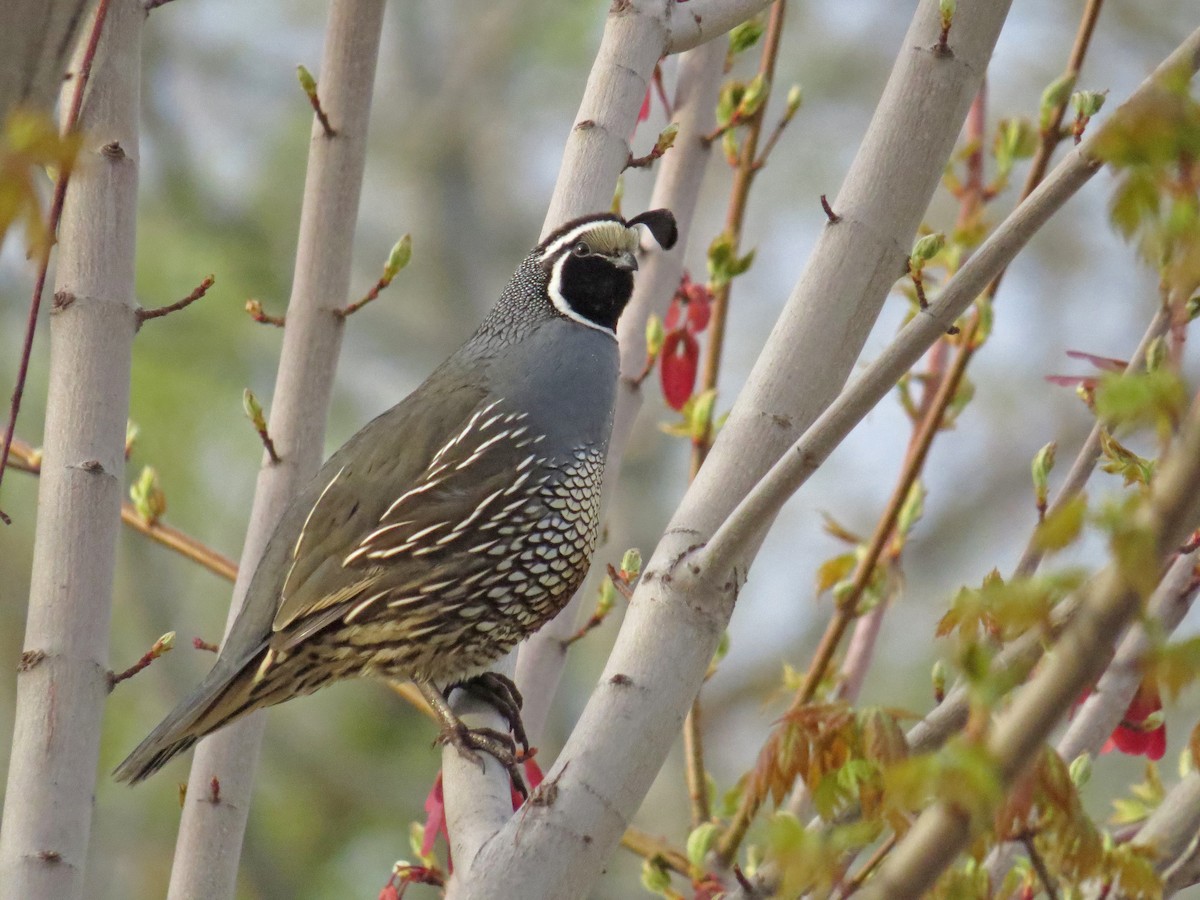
(560, 302)
(579, 231)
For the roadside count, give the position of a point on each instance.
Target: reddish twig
(161, 646)
(254, 413)
(56, 207)
(159, 311)
(398, 258)
(202, 644)
(309, 84)
(833, 217)
(255, 309)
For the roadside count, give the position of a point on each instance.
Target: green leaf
(1081, 769)
(1087, 103)
(666, 139)
(656, 334)
(1143, 398)
(795, 97)
(307, 82)
(834, 570)
(1063, 526)
(1055, 95)
(147, 496)
(913, 508)
(655, 877)
(755, 95)
(631, 563)
(1043, 465)
(399, 257)
(1174, 666)
(728, 101)
(1135, 553)
(700, 841)
(926, 248)
(743, 37)
(1120, 460)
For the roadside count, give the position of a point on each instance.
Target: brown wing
(418, 538)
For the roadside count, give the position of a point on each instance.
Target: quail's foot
(496, 744)
(499, 691)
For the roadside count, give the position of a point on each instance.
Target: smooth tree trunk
(62, 680)
(210, 836)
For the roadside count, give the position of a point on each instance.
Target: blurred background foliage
(472, 105)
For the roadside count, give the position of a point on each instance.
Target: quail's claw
(500, 692)
(496, 744)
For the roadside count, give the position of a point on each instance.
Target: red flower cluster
(1142, 731)
(1133, 735)
(435, 809)
(688, 316)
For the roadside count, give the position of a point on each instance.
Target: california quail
(456, 523)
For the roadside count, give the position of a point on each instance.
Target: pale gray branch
(62, 682)
(676, 188)
(597, 148)
(804, 457)
(673, 625)
(210, 836)
(697, 21)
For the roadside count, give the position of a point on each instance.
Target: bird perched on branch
(455, 524)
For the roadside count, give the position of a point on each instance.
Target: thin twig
(254, 412)
(649, 847)
(159, 647)
(255, 309)
(1039, 865)
(26, 459)
(695, 772)
(159, 311)
(856, 881)
(309, 84)
(56, 208)
(739, 197)
(832, 217)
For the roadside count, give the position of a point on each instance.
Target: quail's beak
(625, 261)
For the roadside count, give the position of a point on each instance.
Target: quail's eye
(581, 249)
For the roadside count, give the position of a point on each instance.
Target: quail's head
(590, 262)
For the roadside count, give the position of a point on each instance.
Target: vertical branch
(210, 835)
(635, 38)
(677, 186)
(63, 681)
